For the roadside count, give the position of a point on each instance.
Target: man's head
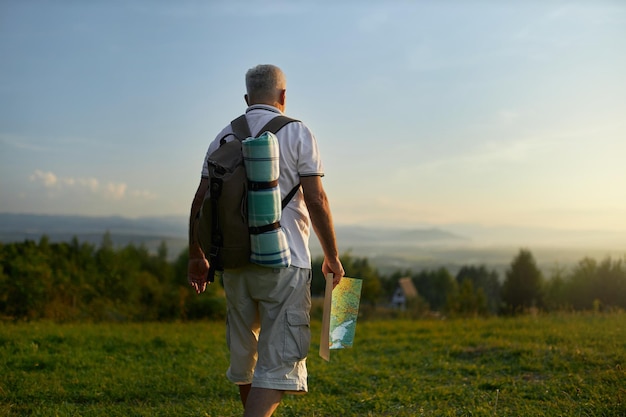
(266, 84)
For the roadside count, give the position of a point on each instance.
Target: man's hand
(333, 266)
(197, 270)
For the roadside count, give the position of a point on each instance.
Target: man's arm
(322, 220)
(198, 266)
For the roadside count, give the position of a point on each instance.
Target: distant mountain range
(28, 225)
(386, 247)
(150, 231)
(32, 226)
(146, 231)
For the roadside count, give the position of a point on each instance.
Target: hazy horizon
(366, 234)
(427, 114)
(388, 249)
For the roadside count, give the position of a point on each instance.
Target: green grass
(557, 365)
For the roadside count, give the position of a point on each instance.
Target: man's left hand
(197, 273)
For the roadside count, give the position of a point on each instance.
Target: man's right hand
(333, 266)
(197, 273)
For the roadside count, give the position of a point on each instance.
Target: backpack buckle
(214, 251)
(216, 188)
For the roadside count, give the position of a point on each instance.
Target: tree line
(79, 281)
(74, 280)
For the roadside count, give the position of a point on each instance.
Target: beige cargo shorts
(267, 326)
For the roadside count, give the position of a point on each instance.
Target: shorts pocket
(297, 336)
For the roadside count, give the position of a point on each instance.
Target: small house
(405, 292)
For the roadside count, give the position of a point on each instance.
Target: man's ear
(282, 98)
(245, 97)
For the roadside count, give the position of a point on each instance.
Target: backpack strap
(289, 196)
(276, 124)
(215, 263)
(240, 127)
(241, 130)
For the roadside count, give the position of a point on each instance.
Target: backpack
(224, 234)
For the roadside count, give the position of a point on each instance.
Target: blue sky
(426, 113)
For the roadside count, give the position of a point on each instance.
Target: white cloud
(90, 183)
(48, 179)
(116, 191)
(109, 190)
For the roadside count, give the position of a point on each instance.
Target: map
(341, 310)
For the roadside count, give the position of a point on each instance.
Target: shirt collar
(266, 107)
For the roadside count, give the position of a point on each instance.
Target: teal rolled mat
(261, 157)
(270, 249)
(264, 207)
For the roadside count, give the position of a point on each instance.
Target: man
(268, 331)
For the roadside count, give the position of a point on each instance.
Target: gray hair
(264, 82)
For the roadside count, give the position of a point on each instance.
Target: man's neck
(265, 106)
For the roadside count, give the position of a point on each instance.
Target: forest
(78, 281)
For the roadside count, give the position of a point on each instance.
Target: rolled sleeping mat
(270, 249)
(261, 158)
(264, 207)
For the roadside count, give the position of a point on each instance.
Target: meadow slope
(555, 365)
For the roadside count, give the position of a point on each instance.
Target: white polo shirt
(299, 157)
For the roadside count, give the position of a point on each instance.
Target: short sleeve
(309, 159)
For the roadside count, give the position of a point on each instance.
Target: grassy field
(558, 365)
